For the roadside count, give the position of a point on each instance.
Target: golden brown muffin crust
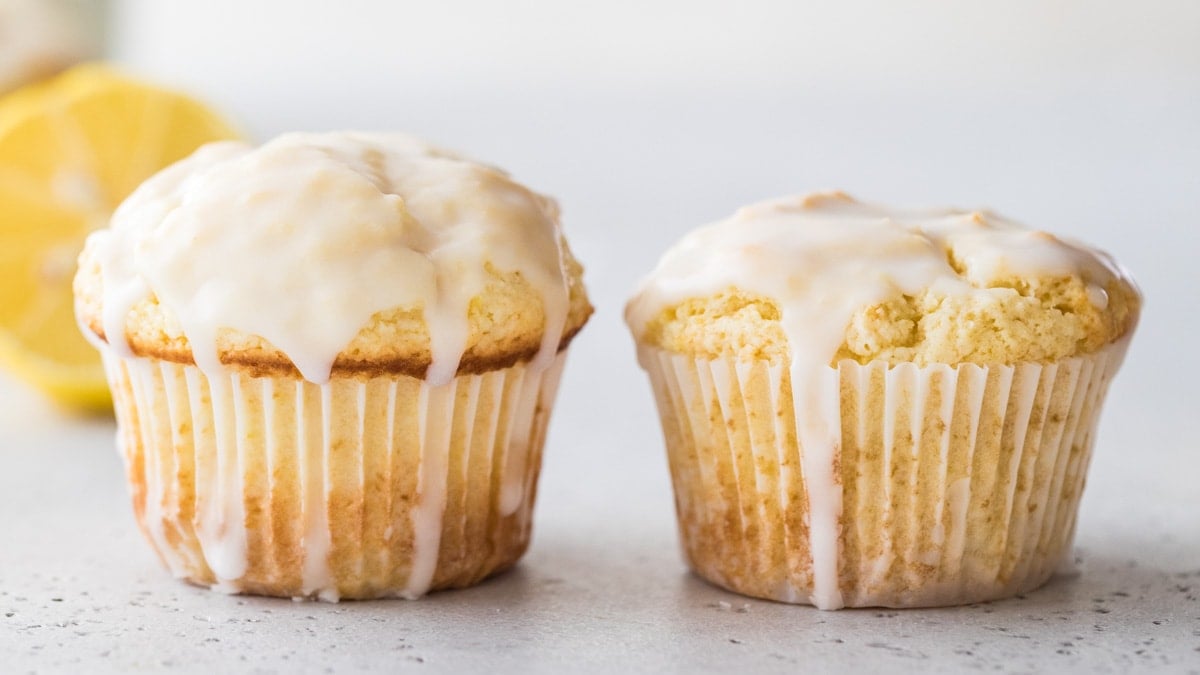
(506, 327)
(1010, 321)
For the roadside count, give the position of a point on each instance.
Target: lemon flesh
(71, 149)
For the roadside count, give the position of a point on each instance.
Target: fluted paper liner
(358, 488)
(958, 483)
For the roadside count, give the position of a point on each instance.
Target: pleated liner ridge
(354, 489)
(959, 483)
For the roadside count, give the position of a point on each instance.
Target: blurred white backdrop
(308, 48)
(648, 118)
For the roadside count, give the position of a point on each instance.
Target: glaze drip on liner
(303, 240)
(825, 256)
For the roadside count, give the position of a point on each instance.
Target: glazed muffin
(866, 406)
(333, 359)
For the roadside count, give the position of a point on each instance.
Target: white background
(646, 119)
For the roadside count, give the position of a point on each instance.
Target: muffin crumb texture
(339, 253)
(866, 283)
(333, 359)
(1011, 321)
(867, 406)
(505, 323)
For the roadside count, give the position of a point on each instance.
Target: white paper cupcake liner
(950, 484)
(353, 489)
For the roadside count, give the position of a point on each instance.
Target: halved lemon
(71, 149)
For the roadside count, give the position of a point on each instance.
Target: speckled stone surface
(603, 588)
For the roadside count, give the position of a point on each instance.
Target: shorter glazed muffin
(866, 406)
(333, 359)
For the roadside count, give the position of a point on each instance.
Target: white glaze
(220, 508)
(215, 411)
(302, 240)
(155, 494)
(436, 414)
(822, 258)
(317, 540)
(701, 407)
(516, 455)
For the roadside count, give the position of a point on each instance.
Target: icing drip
(303, 240)
(823, 257)
(436, 415)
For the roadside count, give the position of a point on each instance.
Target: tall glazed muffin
(877, 407)
(333, 359)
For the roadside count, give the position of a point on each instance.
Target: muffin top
(349, 253)
(831, 278)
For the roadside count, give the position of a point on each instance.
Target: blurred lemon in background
(71, 149)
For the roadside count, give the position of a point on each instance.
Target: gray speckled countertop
(603, 588)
